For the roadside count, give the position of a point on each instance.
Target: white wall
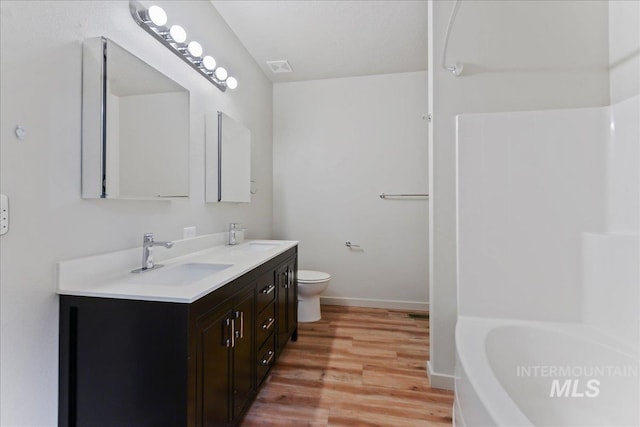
(518, 55)
(529, 185)
(40, 87)
(624, 49)
(338, 144)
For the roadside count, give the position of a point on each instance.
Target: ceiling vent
(281, 66)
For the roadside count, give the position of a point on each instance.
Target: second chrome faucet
(236, 233)
(147, 253)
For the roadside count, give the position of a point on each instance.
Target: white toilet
(310, 285)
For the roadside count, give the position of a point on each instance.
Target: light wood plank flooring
(355, 367)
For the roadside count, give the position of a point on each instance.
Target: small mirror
(135, 127)
(228, 160)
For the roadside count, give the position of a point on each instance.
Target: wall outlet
(189, 232)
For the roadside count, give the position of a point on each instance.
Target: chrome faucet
(147, 253)
(234, 227)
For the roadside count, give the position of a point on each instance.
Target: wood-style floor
(355, 367)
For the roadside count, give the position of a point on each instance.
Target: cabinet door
(243, 350)
(215, 340)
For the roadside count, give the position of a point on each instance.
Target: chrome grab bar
(384, 196)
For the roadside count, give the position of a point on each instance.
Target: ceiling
(331, 39)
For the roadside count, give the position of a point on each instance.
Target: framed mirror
(228, 160)
(135, 127)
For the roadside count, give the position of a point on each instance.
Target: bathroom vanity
(159, 357)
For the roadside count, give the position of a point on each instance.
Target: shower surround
(548, 267)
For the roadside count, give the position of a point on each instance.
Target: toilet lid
(310, 276)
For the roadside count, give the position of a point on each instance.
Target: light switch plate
(189, 232)
(4, 214)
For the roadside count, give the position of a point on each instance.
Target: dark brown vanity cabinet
(200, 364)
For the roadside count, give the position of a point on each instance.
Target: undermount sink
(180, 275)
(258, 246)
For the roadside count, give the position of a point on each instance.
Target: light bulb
(195, 49)
(209, 63)
(232, 83)
(178, 34)
(157, 15)
(221, 74)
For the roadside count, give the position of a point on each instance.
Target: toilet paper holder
(350, 245)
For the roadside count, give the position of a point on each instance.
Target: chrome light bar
(154, 21)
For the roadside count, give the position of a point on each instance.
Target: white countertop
(109, 275)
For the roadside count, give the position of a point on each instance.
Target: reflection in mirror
(135, 127)
(228, 160)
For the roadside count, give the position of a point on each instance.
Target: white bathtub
(517, 373)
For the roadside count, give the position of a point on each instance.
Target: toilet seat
(310, 276)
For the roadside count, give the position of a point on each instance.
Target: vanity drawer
(266, 290)
(266, 359)
(266, 324)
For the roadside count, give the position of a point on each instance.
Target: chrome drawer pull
(268, 358)
(268, 289)
(267, 324)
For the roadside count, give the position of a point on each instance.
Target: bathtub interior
(562, 379)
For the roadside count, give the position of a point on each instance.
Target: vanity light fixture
(221, 74)
(177, 34)
(209, 63)
(157, 16)
(232, 83)
(154, 21)
(195, 49)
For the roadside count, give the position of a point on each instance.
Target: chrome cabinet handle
(267, 324)
(286, 279)
(267, 290)
(228, 341)
(233, 335)
(268, 358)
(240, 333)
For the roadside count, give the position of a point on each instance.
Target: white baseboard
(375, 303)
(442, 381)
